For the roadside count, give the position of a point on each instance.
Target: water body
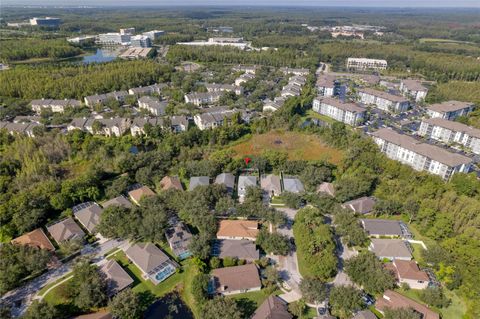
(169, 306)
(99, 56)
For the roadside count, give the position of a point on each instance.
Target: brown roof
(394, 300)
(414, 85)
(326, 188)
(236, 278)
(171, 182)
(102, 314)
(365, 314)
(35, 238)
(137, 194)
(449, 106)
(238, 228)
(383, 95)
(272, 308)
(453, 126)
(409, 270)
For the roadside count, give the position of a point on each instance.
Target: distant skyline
(289, 3)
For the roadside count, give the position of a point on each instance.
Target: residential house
(171, 182)
(56, 106)
(272, 308)
(214, 117)
(421, 156)
(152, 105)
(238, 229)
(88, 214)
(102, 314)
(147, 90)
(390, 249)
(101, 99)
(36, 238)
(272, 106)
(394, 300)
(451, 132)
(137, 127)
(196, 181)
(117, 278)
(248, 69)
(200, 99)
(383, 100)
(362, 205)
(293, 185)
(65, 230)
(382, 227)
(179, 123)
(244, 78)
(121, 201)
(242, 249)
(271, 185)
(244, 182)
(179, 237)
(152, 262)
(235, 280)
(326, 188)
(408, 272)
(366, 64)
(413, 89)
(364, 314)
(348, 113)
(238, 90)
(136, 195)
(450, 110)
(227, 179)
(19, 128)
(294, 71)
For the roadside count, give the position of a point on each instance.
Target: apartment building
(294, 71)
(348, 113)
(413, 89)
(366, 64)
(214, 117)
(224, 88)
(421, 156)
(245, 77)
(93, 100)
(249, 69)
(328, 85)
(450, 110)
(383, 100)
(109, 127)
(152, 105)
(199, 99)
(451, 132)
(56, 106)
(147, 90)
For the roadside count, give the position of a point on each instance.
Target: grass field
(298, 146)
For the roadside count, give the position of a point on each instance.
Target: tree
(313, 290)
(368, 272)
(41, 310)
(215, 262)
(126, 305)
(274, 243)
(401, 313)
(88, 287)
(292, 200)
(221, 308)
(115, 222)
(434, 297)
(298, 308)
(272, 276)
(345, 301)
(200, 287)
(200, 246)
(347, 226)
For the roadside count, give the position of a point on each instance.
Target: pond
(99, 56)
(170, 306)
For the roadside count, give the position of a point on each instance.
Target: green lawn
(313, 114)
(250, 301)
(417, 252)
(42, 291)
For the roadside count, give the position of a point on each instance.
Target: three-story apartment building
(348, 113)
(449, 110)
(383, 100)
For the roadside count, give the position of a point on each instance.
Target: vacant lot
(298, 146)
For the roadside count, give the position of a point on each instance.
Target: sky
(297, 3)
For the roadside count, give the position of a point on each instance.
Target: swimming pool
(164, 273)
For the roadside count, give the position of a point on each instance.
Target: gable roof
(245, 181)
(271, 183)
(118, 278)
(227, 179)
(137, 194)
(89, 216)
(171, 182)
(102, 314)
(326, 188)
(408, 269)
(146, 256)
(238, 228)
(382, 227)
(118, 201)
(65, 230)
(35, 238)
(362, 205)
(242, 249)
(394, 300)
(449, 106)
(236, 278)
(395, 248)
(198, 181)
(272, 308)
(365, 314)
(414, 85)
(293, 185)
(179, 237)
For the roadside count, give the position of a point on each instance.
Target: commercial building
(135, 53)
(154, 34)
(421, 156)
(383, 100)
(113, 38)
(127, 31)
(414, 89)
(348, 113)
(450, 110)
(140, 41)
(46, 22)
(366, 64)
(451, 132)
(233, 42)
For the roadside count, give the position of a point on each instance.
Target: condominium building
(450, 110)
(414, 89)
(152, 105)
(224, 88)
(147, 90)
(56, 106)
(328, 85)
(249, 69)
(421, 156)
(199, 99)
(383, 100)
(451, 132)
(348, 113)
(93, 100)
(215, 117)
(245, 77)
(366, 64)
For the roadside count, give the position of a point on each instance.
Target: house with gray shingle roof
(117, 278)
(65, 230)
(382, 227)
(272, 308)
(242, 249)
(390, 249)
(244, 182)
(198, 181)
(271, 185)
(293, 185)
(362, 205)
(89, 216)
(118, 201)
(179, 237)
(227, 179)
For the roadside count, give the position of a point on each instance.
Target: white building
(113, 38)
(233, 42)
(244, 78)
(413, 89)
(450, 110)
(366, 64)
(56, 106)
(421, 156)
(140, 41)
(215, 117)
(451, 132)
(348, 113)
(383, 100)
(295, 71)
(154, 34)
(224, 88)
(46, 22)
(328, 85)
(199, 99)
(152, 105)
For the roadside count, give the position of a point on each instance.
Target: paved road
(25, 294)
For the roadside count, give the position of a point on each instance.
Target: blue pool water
(165, 273)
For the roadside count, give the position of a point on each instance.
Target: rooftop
(382, 227)
(238, 228)
(362, 205)
(350, 107)
(395, 248)
(236, 278)
(35, 238)
(383, 95)
(453, 126)
(394, 300)
(449, 106)
(146, 256)
(64, 230)
(241, 249)
(272, 308)
(139, 193)
(118, 278)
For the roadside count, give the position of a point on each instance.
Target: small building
(242, 249)
(394, 300)
(235, 280)
(271, 185)
(382, 227)
(272, 308)
(171, 182)
(179, 237)
(364, 314)
(408, 272)
(36, 238)
(244, 182)
(136, 195)
(348, 113)
(293, 185)
(383, 100)
(238, 229)
(450, 110)
(56, 106)
(366, 64)
(152, 105)
(413, 89)
(65, 230)
(363, 205)
(227, 179)
(326, 188)
(153, 263)
(88, 214)
(196, 181)
(121, 201)
(117, 278)
(390, 249)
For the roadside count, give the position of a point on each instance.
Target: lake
(99, 56)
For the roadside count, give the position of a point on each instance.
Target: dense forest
(16, 50)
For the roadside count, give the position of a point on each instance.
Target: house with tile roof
(408, 272)
(171, 182)
(36, 238)
(394, 300)
(238, 229)
(136, 195)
